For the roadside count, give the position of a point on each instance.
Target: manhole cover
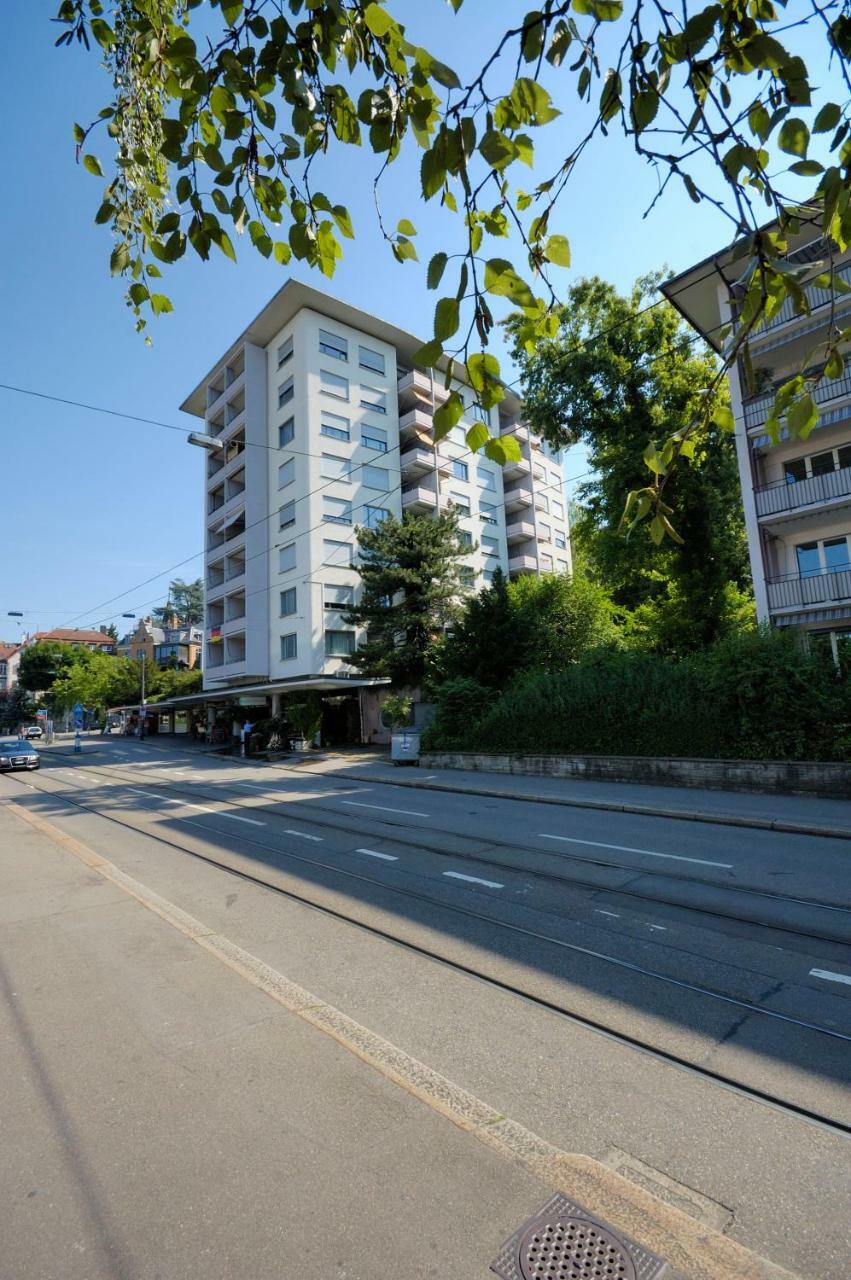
(564, 1242)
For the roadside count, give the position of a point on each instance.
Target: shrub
(396, 710)
(461, 703)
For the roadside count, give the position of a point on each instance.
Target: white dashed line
(252, 822)
(601, 912)
(658, 926)
(625, 848)
(373, 853)
(457, 875)
(829, 976)
(202, 808)
(302, 835)
(412, 813)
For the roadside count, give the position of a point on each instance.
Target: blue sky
(99, 504)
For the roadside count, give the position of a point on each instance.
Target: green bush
(461, 703)
(752, 696)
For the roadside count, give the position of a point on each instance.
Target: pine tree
(409, 569)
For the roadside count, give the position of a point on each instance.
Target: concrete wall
(795, 777)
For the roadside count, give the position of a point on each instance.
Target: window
(490, 546)
(372, 398)
(334, 385)
(335, 426)
(563, 566)
(561, 541)
(338, 552)
(487, 513)
(289, 647)
(338, 644)
(338, 595)
(288, 603)
(547, 563)
(372, 516)
(794, 470)
(488, 574)
(331, 345)
(809, 562)
(467, 576)
(486, 480)
(336, 510)
(373, 438)
(545, 533)
(286, 515)
(465, 538)
(460, 470)
(558, 510)
(285, 351)
(376, 478)
(835, 553)
(286, 558)
(543, 504)
(370, 359)
(286, 431)
(823, 556)
(539, 473)
(285, 393)
(286, 473)
(822, 463)
(335, 468)
(843, 457)
(460, 502)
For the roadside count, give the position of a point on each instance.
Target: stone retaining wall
(805, 777)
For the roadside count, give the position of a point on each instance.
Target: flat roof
(298, 684)
(292, 297)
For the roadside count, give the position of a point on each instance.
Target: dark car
(17, 753)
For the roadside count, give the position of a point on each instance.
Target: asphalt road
(693, 946)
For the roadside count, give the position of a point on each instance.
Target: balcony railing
(774, 498)
(756, 410)
(816, 298)
(794, 592)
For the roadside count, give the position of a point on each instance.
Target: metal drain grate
(563, 1242)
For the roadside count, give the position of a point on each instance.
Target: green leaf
(501, 279)
(119, 259)
(497, 149)
(828, 118)
(477, 436)
(444, 75)
(105, 212)
(533, 36)
(497, 451)
(794, 137)
(222, 239)
(835, 366)
(429, 354)
(93, 165)
(232, 11)
(602, 10)
(557, 250)
(806, 168)
(447, 415)
(160, 304)
(435, 270)
(341, 216)
(138, 293)
(377, 19)
(722, 416)
(447, 317)
(511, 448)
(802, 416)
(653, 461)
(79, 134)
(283, 252)
(406, 227)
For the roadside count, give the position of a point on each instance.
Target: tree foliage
(410, 579)
(185, 602)
(44, 662)
(622, 378)
(226, 117)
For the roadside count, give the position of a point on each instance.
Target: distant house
(142, 642)
(10, 660)
(180, 646)
(98, 641)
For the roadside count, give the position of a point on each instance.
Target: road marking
(430, 777)
(457, 875)
(658, 926)
(202, 808)
(830, 976)
(253, 822)
(601, 912)
(373, 853)
(413, 813)
(302, 835)
(255, 786)
(625, 848)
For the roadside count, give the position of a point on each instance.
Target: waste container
(405, 747)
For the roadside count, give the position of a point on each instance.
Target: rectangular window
(467, 576)
(561, 541)
(821, 464)
(836, 553)
(336, 510)
(288, 602)
(338, 552)
(286, 558)
(338, 595)
(545, 533)
(335, 426)
(547, 563)
(376, 478)
(563, 566)
(809, 562)
(843, 454)
(289, 647)
(460, 470)
(794, 470)
(286, 515)
(373, 438)
(558, 510)
(460, 502)
(372, 398)
(285, 351)
(487, 574)
(487, 513)
(335, 468)
(539, 473)
(486, 480)
(334, 385)
(465, 538)
(286, 473)
(542, 503)
(338, 644)
(285, 393)
(490, 546)
(370, 359)
(286, 431)
(372, 516)
(331, 345)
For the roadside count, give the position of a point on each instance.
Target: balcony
(521, 531)
(417, 423)
(517, 498)
(830, 586)
(215, 575)
(516, 470)
(418, 461)
(817, 299)
(780, 498)
(215, 500)
(522, 564)
(757, 409)
(235, 485)
(516, 429)
(418, 498)
(414, 386)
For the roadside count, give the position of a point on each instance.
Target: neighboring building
(142, 642)
(10, 660)
(797, 493)
(342, 421)
(76, 636)
(180, 645)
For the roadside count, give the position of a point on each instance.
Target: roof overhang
(315, 684)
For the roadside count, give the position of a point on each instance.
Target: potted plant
(306, 720)
(404, 739)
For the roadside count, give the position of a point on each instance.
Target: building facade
(10, 660)
(796, 493)
(325, 424)
(97, 641)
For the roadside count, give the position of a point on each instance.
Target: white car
(33, 731)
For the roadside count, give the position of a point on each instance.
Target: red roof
(72, 635)
(6, 650)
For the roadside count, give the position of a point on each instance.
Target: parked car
(17, 753)
(33, 731)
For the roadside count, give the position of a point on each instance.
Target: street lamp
(15, 613)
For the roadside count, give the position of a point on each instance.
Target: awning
(298, 684)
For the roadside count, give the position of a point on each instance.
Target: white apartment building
(326, 425)
(797, 493)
